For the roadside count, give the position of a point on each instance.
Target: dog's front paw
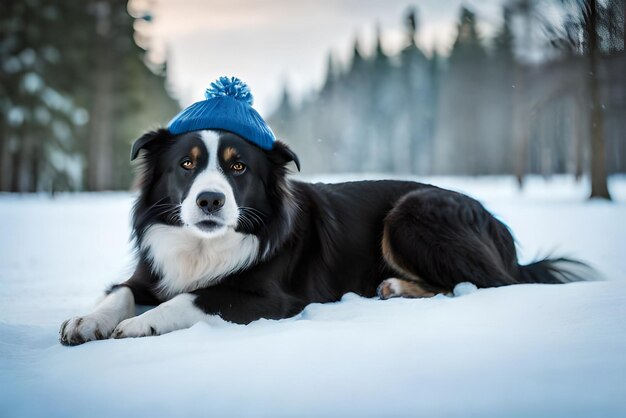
(81, 329)
(135, 327)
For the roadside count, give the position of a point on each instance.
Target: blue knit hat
(228, 106)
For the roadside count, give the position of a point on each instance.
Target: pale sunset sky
(267, 42)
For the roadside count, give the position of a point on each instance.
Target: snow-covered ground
(520, 351)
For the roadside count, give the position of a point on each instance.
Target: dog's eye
(238, 167)
(187, 164)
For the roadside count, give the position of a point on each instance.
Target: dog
(221, 230)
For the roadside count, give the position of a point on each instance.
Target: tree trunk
(520, 127)
(6, 166)
(100, 144)
(36, 167)
(599, 187)
(99, 157)
(521, 106)
(25, 164)
(578, 136)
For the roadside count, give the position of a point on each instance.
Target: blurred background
(431, 87)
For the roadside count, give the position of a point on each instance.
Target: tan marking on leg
(395, 288)
(411, 284)
(229, 153)
(392, 260)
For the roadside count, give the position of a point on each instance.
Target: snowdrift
(519, 351)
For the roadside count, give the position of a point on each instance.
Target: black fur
(325, 240)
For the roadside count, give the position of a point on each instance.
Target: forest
(483, 109)
(76, 89)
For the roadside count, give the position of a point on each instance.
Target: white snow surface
(518, 351)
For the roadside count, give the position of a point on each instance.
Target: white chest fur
(186, 261)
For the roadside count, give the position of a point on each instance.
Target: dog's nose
(210, 202)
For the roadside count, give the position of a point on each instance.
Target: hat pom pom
(229, 86)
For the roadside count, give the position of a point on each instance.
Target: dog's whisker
(156, 203)
(171, 213)
(253, 215)
(250, 221)
(253, 210)
(245, 221)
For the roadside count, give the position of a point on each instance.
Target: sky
(275, 42)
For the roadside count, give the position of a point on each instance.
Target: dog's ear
(283, 155)
(145, 141)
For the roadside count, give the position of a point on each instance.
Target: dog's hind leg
(436, 238)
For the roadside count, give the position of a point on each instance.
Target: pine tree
(356, 131)
(599, 186)
(72, 82)
(283, 116)
(600, 26)
(127, 96)
(460, 129)
(332, 76)
(415, 109)
(379, 110)
(498, 106)
(39, 116)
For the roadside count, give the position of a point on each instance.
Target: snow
(464, 288)
(32, 82)
(518, 351)
(15, 116)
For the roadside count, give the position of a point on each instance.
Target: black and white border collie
(221, 231)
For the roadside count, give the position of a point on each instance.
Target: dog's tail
(555, 271)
